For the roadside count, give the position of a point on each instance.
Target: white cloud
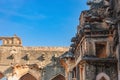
(11, 8)
(9, 13)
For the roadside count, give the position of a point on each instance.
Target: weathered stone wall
(46, 59)
(33, 53)
(116, 6)
(93, 70)
(52, 71)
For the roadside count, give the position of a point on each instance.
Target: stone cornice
(47, 48)
(61, 49)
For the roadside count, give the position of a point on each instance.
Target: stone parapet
(61, 49)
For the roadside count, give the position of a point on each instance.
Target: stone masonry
(17, 60)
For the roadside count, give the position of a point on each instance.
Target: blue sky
(41, 22)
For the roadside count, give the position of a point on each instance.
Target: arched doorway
(27, 77)
(1, 75)
(102, 76)
(59, 77)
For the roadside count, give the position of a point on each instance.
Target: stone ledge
(62, 49)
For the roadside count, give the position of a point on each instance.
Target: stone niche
(100, 48)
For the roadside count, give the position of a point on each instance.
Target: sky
(41, 22)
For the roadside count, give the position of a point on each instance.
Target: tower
(94, 43)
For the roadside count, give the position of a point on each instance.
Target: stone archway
(58, 77)
(25, 72)
(102, 76)
(27, 77)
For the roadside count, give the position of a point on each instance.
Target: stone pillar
(77, 76)
(119, 51)
(68, 70)
(4, 42)
(70, 75)
(108, 48)
(66, 75)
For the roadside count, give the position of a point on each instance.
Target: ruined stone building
(29, 63)
(93, 55)
(95, 50)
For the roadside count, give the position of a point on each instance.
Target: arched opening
(27, 77)
(102, 76)
(1, 75)
(59, 77)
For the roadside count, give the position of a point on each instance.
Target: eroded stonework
(17, 60)
(95, 50)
